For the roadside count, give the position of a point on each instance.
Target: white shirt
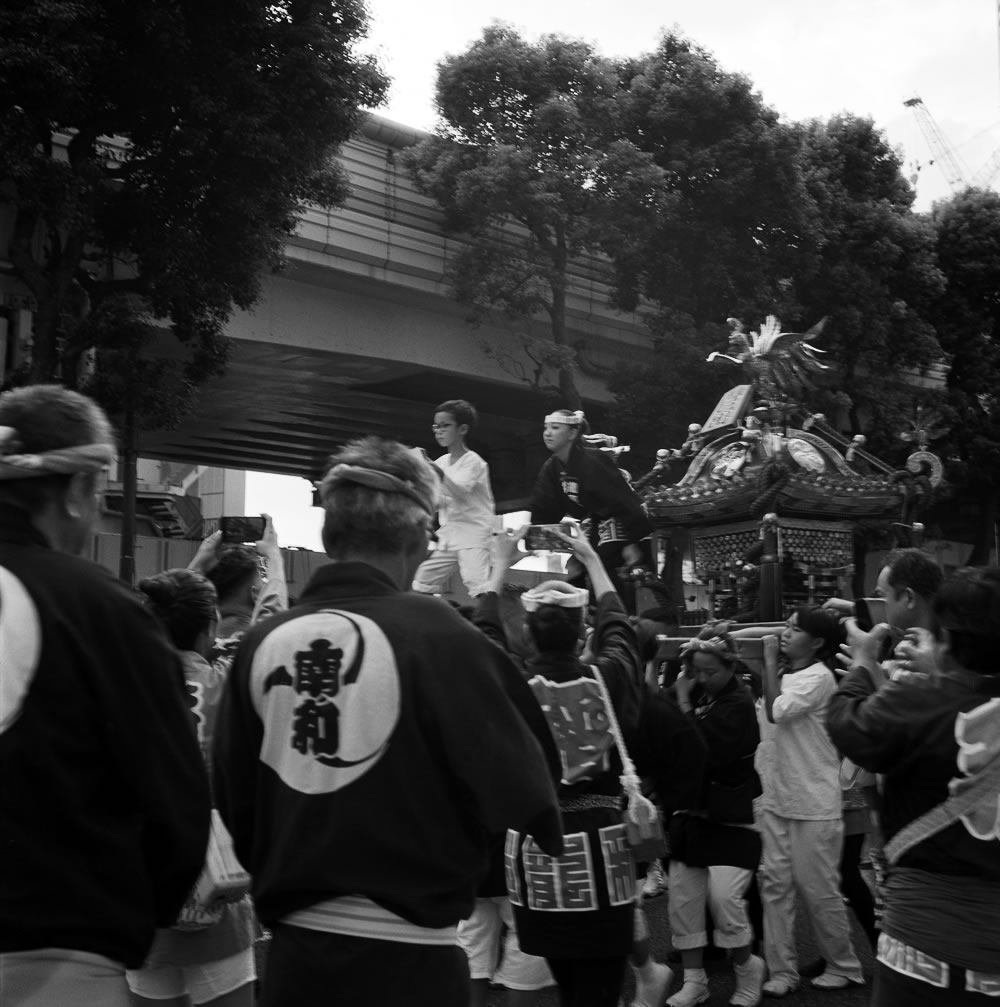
(797, 763)
(466, 514)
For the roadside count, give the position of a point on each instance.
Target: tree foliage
(732, 218)
(967, 228)
(869, 266)
(156, 153)
(527, 168)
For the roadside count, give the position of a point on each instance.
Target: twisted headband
(555, 592)
(376, 480)
(16, 464)
(715, 645)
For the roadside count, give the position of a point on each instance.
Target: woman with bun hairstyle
(800, 815)
(213, 964)
(714, 846)
(585, 483)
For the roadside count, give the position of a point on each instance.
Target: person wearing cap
(105, 798)
(369, 746)
(584, 483)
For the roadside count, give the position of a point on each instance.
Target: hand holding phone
(545, 537)
(240, 530)
(869, 612)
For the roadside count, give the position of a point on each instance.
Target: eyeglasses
(441, 426)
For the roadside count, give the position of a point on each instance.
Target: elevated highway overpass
(360, 334)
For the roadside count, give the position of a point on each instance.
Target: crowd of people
(425, 800)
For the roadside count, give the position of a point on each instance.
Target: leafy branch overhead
(527, 167)
(158, 152)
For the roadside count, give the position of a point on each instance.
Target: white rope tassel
(640, 811)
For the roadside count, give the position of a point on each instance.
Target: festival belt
(917, 964)
(591, 802)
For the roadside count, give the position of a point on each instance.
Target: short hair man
(105, 798)
(367, 748)
(908, 582)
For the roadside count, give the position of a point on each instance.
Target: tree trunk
(567, 380)
(130, 438)
(44, 355)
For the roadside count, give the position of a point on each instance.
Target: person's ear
(463, 430)
(911, 598)
(79, 494)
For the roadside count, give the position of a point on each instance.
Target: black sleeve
(869, 725)
(730, 730)
(614, 497)
(153, 733)
(239, 734)
(548, 502)
(487, 620)
(615, 646)
(669, 751)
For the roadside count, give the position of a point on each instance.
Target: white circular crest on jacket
(326, 687)
(20, 647)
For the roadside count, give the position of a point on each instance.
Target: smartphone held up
(545, 537)
(241, 530)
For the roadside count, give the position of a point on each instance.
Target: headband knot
(377, 480)
(574, 419)
(715, 645)
(17, 464)
(555, 592)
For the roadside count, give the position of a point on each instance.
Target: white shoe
(832, 981)
(779, 987)
(653, 992)
(656, 881)
(749, 982)
(690, 994)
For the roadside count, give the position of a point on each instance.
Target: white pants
(723, 889)
(61, 977)
(479, 938)
(804, 857)
(473, 565)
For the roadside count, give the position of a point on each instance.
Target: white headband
(555, 592)
(572, 420)
(15, 464)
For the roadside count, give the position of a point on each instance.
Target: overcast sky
(808, 60)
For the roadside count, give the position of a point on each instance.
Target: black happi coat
(104, 802)
(588, 485)
(371, 742)
(728, 726)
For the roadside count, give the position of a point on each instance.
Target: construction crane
(945, 156)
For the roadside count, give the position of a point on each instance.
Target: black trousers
(854, 887)
(588, 982)
(309, 968)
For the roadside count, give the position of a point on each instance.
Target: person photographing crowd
(934, 736)
(588, 927)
